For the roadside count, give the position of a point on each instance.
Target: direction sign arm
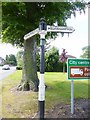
(60, 29)
(32, 33)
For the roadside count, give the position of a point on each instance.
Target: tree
(52, 60)
(11, 59)
(63, 58)
(7, 60)
(19, 57)
(19, 18)
(86, 52)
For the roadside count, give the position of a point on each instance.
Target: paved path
(6, 73)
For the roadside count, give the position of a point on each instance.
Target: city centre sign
(78, 69)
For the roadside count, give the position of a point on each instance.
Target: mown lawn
(19, 104)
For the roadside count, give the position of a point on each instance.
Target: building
(68, 56)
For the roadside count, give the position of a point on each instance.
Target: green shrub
(19, 68)
(52, 62)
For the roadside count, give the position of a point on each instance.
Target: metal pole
(41, 83)
(41, 97)
(72, 96)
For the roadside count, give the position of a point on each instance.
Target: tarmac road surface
(6, 73)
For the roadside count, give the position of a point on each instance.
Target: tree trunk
(63, 67)
(29, 73)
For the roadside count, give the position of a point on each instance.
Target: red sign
(80, 72)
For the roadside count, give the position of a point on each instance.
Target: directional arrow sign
(50, 29)
(61, 29)
(30, 34)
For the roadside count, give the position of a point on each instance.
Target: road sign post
(42, 31)
(77, 69)
(72, 96)
(41, 97)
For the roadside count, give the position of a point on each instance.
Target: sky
(7, 49)
(78, 39)
(73, 44)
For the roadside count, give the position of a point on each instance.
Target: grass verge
(19, 104)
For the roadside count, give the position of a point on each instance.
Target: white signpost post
(42, 31)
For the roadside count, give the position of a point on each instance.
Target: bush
(19, 68)
(52, 62)
(58, 67)
(1, 64)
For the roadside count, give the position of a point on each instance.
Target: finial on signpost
(42, 24)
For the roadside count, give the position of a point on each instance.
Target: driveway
(6, 73)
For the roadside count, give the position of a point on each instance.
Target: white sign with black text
(59, 29)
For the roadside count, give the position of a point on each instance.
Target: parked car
(6, 67)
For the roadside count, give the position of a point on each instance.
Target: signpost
(42, 31)
(41, 95)
(58, 29)
(77, 69)
(30, 34)
(62, 29)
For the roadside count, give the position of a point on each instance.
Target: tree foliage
(86, 52)
(52, 59)
(19, 18)
(11, 59)
(52, 62)
(19, 57)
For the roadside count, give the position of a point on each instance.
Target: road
(6, 73)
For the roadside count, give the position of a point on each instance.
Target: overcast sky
(73, 44)
(78, 39)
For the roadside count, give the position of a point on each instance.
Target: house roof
(70, 56)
